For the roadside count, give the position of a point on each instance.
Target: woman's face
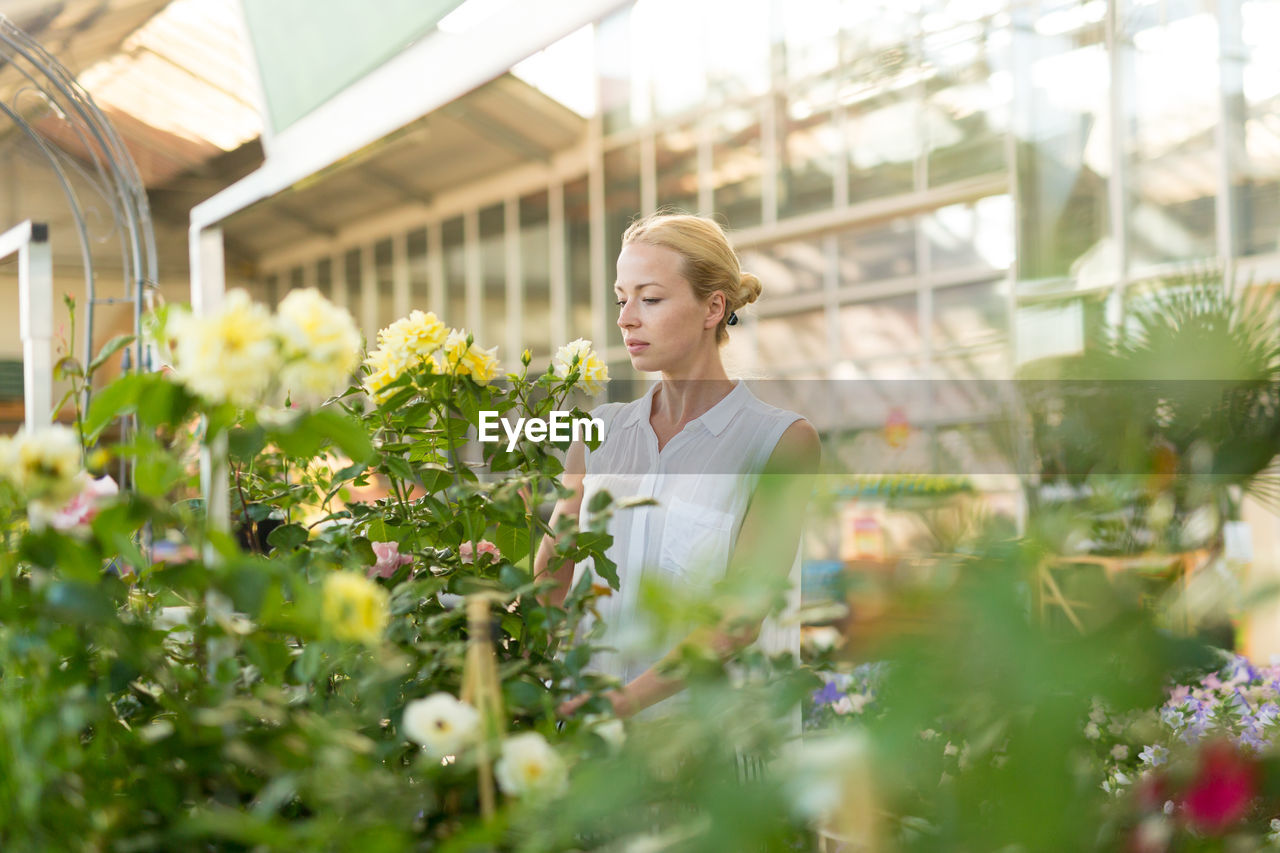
(662, 322)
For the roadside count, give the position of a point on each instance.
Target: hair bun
(750, 288)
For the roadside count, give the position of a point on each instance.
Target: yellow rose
(592, 372)
(355, 608)
(386, 366)
(321, 345)
(417, 336)
(467, 359)
(230, 355)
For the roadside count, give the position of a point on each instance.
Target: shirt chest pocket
(695, 541)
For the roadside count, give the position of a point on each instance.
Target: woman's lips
(636, 346)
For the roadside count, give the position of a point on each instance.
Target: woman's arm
(574, 471)
(767, 542)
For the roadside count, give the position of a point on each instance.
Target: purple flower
(828, 695)
(1241, 669)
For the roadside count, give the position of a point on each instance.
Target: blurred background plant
(319, 685)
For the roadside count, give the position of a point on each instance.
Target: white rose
(321, 345)
(230, 355)
(529, 765)
(44, 465)
(610, 729)
(592, 372)
(440, 723)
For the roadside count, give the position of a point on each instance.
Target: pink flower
(467, 552)
(83, 508)
(389, 559)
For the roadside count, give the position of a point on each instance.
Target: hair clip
(733, 319)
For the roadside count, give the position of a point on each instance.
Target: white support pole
(400, 283)
(30, 240)
(208, 286)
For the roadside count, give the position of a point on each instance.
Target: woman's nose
(626, 315)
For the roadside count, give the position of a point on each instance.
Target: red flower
(1225, 785)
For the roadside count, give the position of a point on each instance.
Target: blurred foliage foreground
(357, 671)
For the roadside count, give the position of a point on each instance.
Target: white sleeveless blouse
(702, 482)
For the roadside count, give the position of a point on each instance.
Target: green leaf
(287, 537)
(606, 569)
(118, 398)
(163, 402)
(245, 443)
(512, 541)
(109, 349)
(347, 433)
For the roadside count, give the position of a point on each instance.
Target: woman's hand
(570, 707)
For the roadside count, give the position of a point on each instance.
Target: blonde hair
(710, 264)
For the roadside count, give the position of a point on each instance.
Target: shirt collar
(714, 419)
(718, 416)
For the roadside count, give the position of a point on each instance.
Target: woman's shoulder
(768, 411)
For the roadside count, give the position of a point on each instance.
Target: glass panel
(796, 266)
(1172, 78)
(811, 144)
(737, 166)
(324, 277)
(453, 240)
(881, 93)
(880, 327)
(577, 253)
(493, 277)
(966, 386)
(614, 71)
(1064, 153)
(794, 340)
(676, 163)
(877, 34)
(877, 252)
(810, 44)
(419, 278)
(671, 37)
(737, 55)
(964, 236)
(386, 286)
(1253, 98)
(967, 111)
(535, 273)
(970, 315)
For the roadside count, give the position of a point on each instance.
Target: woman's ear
(716, 310)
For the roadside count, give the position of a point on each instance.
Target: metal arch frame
(111, 172)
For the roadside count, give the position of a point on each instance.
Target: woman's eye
(650, 300)
(620, 303)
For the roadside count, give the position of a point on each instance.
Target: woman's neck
(687, 394)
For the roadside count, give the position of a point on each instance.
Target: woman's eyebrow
(641, 286)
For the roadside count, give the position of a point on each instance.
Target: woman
(698, 444)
